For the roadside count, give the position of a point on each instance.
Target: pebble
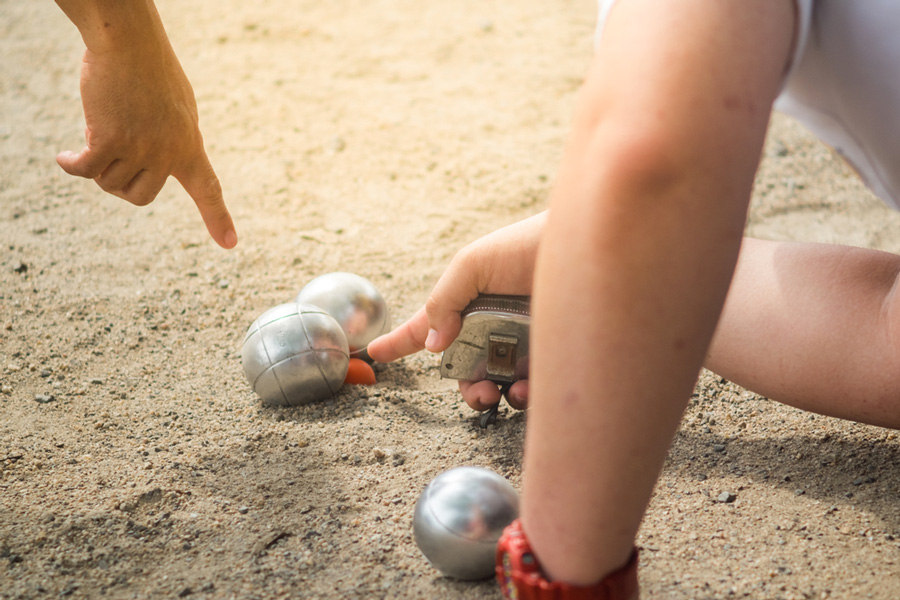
(726, 497)
(43, 398)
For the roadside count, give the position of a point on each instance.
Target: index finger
(201, 183)
(407, 338)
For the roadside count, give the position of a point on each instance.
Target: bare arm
(816, 326)
(645, 224)
(140, 112)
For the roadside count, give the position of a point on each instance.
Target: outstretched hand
(499, 263)
(142, 124)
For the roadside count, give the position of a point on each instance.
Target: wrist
(520, 576)
(114, 25)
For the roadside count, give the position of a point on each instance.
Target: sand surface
(376, 138)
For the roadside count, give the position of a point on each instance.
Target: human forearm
(635, 262)
(625, 302)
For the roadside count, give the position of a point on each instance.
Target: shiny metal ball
(459, 518)
(354, 302)
(295, 354)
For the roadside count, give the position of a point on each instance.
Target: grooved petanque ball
(459, 518)
(295, 354)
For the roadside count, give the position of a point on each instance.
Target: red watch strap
(520, 576)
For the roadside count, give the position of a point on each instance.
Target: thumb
(201, 183)
(88, 163)
(453, 292)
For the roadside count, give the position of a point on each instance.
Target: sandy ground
(376, 138)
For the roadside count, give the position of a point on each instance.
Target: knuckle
(209, 190)
(109, 188)
(212, 187)
(414, 335)
(141, 198)
(129, 197)
(465, 258)
(471, 269)
(433, 305)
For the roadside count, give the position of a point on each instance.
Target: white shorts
(844, 84)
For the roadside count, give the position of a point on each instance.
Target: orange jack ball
(360, 373)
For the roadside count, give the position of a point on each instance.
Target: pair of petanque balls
(299, 352)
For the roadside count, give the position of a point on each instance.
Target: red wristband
(520, 576)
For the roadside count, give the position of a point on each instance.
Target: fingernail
(230, 239)
(431, 342)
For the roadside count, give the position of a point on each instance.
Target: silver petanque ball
(354, 302)
(459, 518)
(295, 354)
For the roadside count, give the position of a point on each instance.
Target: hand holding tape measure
(492, 344)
